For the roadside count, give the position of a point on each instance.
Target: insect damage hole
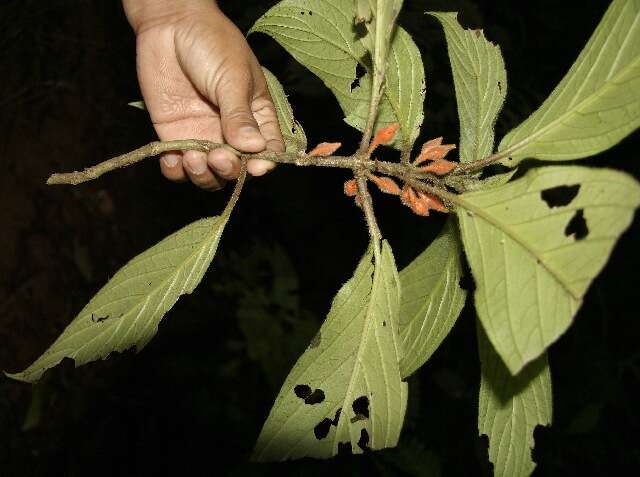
(316, 397)
(302, 391)
(560, 196)
(360, 409)
(577, 226)
(360, 72)
(363, 442)
(322, 428)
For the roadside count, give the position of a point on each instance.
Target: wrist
(145, 14)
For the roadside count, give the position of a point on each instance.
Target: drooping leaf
(480, 82)
(320, 34)
(596, 104)
(294, 137)
(128, 309)
(510, 408)
(534, 246)
(345, 392)
(431, 299)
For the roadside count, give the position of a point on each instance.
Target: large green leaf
(510, 408)
(481, 85)
(294, 137)
(535, 244)
(596, 104)
(345, 391)
(128, 309)
(431, 299)
(320, 34)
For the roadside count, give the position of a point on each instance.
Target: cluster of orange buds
(420, 202)
(435, 152)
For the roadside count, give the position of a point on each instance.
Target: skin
(200, 80)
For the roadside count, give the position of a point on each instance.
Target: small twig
(367, 207)
(238, 188)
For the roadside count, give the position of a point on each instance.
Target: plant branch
(481, 164)
(354, 162)
(238, 188)
(367, 207)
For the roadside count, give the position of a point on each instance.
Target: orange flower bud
(386, 184)
(433, 150)
(440, 167)
(324, 149)
(351, 188)
(384, 136)
(433, 202)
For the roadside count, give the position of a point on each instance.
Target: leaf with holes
(596, 104)
(294, 137)
(128, 309)
(320, 35)
(480, 82)
(345, 391)
(510, 408)
(431, 299)
(535, 244)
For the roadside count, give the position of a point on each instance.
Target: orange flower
(324, 149)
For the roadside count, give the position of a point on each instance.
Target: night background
(194, 400)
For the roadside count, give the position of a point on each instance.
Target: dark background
(199, 393)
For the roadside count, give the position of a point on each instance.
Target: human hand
(200, 80)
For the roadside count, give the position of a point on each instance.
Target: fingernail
(249, 131)
(170, 159)
(196, 163)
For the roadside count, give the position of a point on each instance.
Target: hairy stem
(356, 162)
(238, 188)
(367, 207)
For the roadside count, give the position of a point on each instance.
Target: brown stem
(481, 164)
(354, 162)
(367, 208)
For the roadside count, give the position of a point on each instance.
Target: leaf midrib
(482, 213)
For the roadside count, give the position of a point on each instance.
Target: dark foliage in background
(200, 391)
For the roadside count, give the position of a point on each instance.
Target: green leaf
(128, 309)
(481, 85)
(320, 34)
(596, 104)
(345, 391)
(138, 105)
(378, 19)
(431, 299)
(534, 246)
(294, 137)
(510, 408)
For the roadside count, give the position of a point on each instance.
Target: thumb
(239, 127)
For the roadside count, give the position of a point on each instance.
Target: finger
(234, 92)
(195, 164)
(171, 167)
(224, 163)
(267, 119)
